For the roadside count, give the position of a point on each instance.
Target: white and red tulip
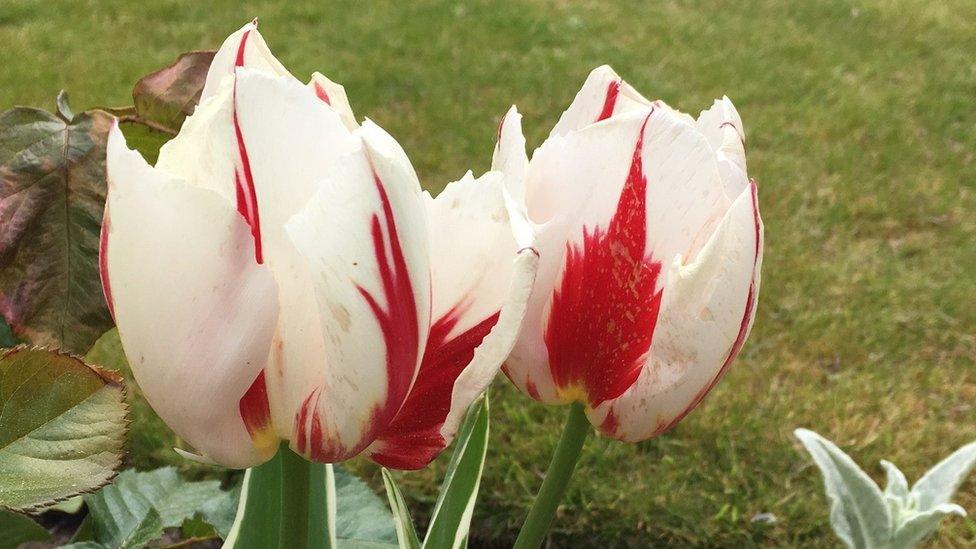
(651, 245)
(279, 275)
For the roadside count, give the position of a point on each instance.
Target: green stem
(295, 473)
(557, 479)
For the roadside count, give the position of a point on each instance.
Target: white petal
(334, 95)
(481, 279)
(509, 157)
(723, 128)
(707, 311)
(195, 312)
(604, 94)
(342, 233)
(245, 48)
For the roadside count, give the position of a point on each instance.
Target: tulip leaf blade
(54, 176)
(167, 96)
(258, 518)
(16, 528)
(451, 518)
(63, 428)
(406, 534)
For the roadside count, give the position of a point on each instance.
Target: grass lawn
(860, 119)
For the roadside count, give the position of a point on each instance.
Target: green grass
(860, 126)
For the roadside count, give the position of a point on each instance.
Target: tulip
(280, 276)
(651, 243)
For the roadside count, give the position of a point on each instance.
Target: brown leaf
(166, 97)
(52, 193)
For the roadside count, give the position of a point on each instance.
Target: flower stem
(557, 479)
(295, 472)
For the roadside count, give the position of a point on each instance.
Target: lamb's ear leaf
(897, 485)
(939, 483)
(63, 428)
(858, 512)
(917, 528)
(406, 534)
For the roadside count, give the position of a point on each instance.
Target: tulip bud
(651, 246)
(280, 275)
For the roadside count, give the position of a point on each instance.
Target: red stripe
(401, 335)
(603, 313)
(247, 199)
(413, 439)
(610, 101)
(103, 261)
(322, 94)
(254, 408)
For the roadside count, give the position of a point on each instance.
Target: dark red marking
(613, 88)
(413, 439)
(740, 337)
(254, 407)
(532, 389)
(610, 423)
(401, 335)
(247, 199)
(103, 261)
(301, 424)
(322, 94)
(604, 311)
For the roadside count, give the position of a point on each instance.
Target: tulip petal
(333, 95)
(723, 128)
(194, 352)
(245, 48)
(364, 236)
(509, 157)
(480, 287)
(706, 314)
(604, 94)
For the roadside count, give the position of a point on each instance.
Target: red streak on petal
(322, 94)
(532, 389)
(603, 313)
(610, 423)
(239, 61)
(254, 407)
(103, 261)
(740, 337)
(247, 199)
(413, 439)
(301, 422)
(400, 327)
(613, 88)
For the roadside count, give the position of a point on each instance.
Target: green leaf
(62, 427)
(16, 529)
(258, 519)
(7, 338)
(321, 507)
(54, 179)
(921, 525)
(138, 506)
(406, 535)
(167, 96)
(939, 484)
(362, 518)
(451, 519)
(858, 512)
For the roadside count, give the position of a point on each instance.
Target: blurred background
(860, 132)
